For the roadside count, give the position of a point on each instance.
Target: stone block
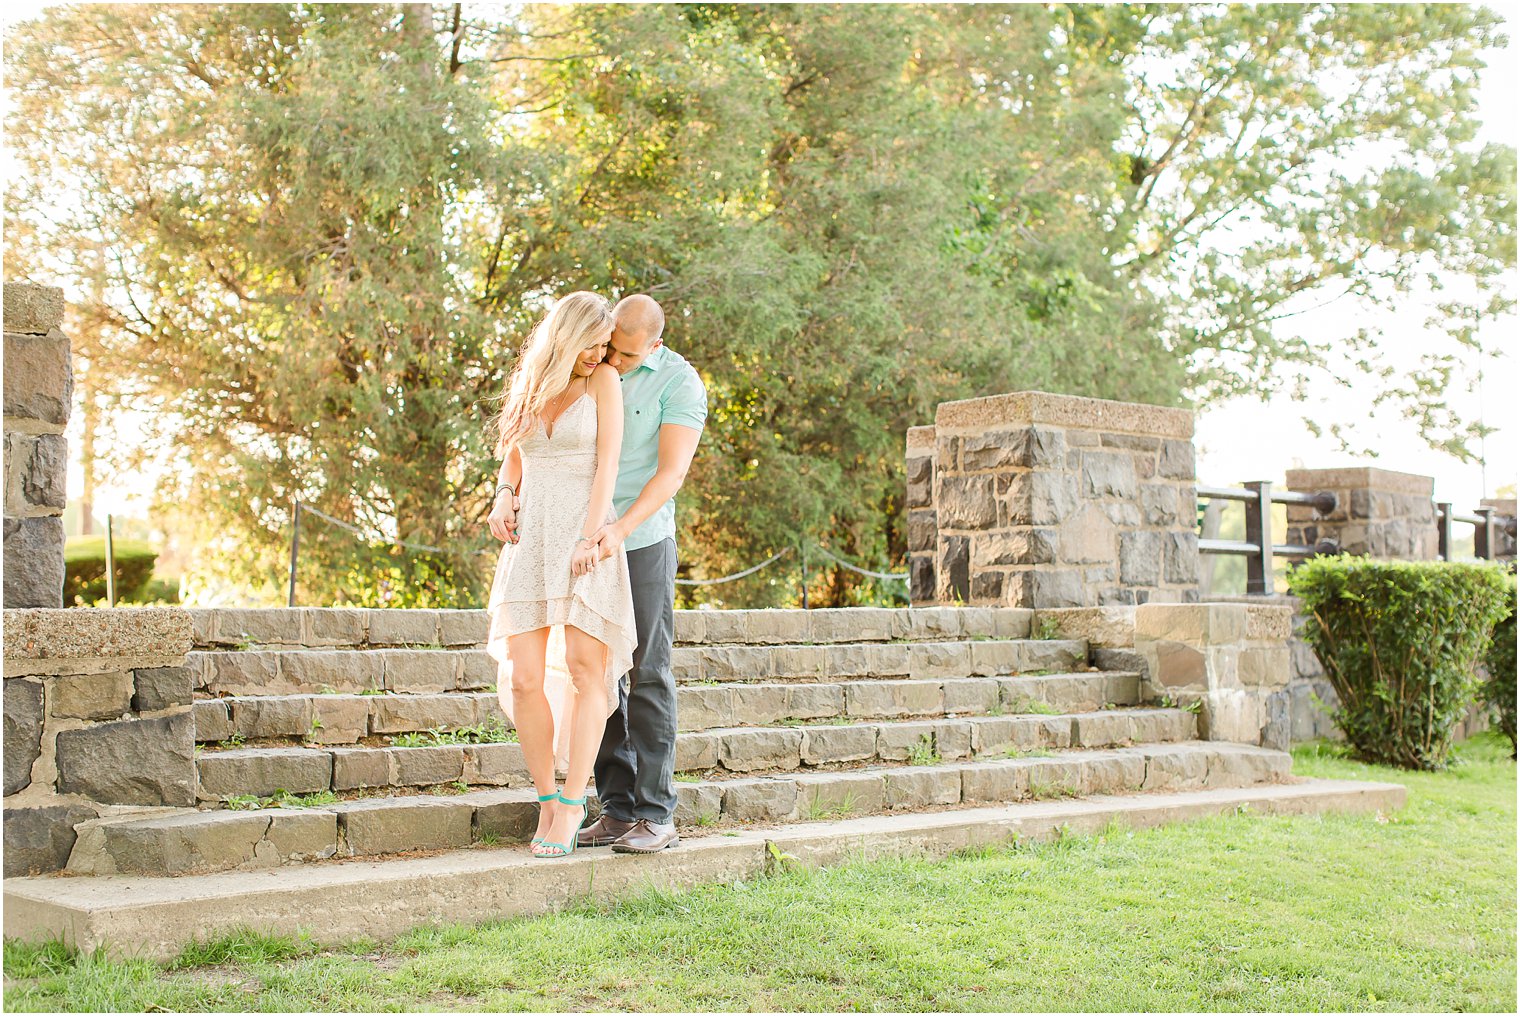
(922, 624)
(1116, 772)
(952, 569)
(920, 477)
(759, 704)
(921, 578)
(463, 627)
(1108, 475)
(91, 696)
(1119, 659)
(761, 800)
(1174, 767)
(1040, 732)
(258, 717)
(338, 719)
(1155, 726)
(915, 788)
(156, 688)
(1265, 666)
(148, 761)
(839, 795)
(880, 699)
(1052, 656)
(335, 669)
(23, 732)
(700, 708)
(38, 840)
(1140, 555)
(821, 745)
(993, 783)
(496, 764)
(923, 530)
(1037, 499)
(43, 470)
(1176, 665)
(1054, 776)
(809, 662)
(397, 714)
(745, 751)
(1160, 504)
(1176, 462)
(697, 751)
(814, 701)
(213, 720)
(698, 803)
(424, 767)
(927, 660)
(740, 663)
(181, 844)
(686, 663)
(1181, 558)
(898, 741)
(478, 671)
(1108, 627)
(992, 734)
(952, 739)
(39, 378)
(336, 626)
(894, 659)
(394, 825)
(995, 658)
(32, 309)
(303, 835)
(507, 815)
(854, 624)
(357, 768)
(1100, 729)
(417, 671)
(262, 771)
(33, 554)
(1085, 537)
(273, 626)
(403, 627)
(970, 695)
(1244, 767)
(965, 503)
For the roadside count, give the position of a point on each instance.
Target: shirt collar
(655, 360)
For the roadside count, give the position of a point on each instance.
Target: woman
(559, 436)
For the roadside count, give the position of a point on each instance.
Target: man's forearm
(662, 486)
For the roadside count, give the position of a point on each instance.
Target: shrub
(84, 568)
(1401, 643)
(1499, 690)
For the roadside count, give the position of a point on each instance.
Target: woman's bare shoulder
(604, 379)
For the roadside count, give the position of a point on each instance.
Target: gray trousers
(635, 766)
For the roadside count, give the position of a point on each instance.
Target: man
(664, 410)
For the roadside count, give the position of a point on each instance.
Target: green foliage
(84, 569)
(1400, 643)
(851, 213)
(492, 731)
(922, 753)
(1499, 689)
(281, 799)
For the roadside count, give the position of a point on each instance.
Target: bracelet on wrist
(504, 486)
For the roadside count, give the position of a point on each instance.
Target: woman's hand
(503, 517)
(584, 558)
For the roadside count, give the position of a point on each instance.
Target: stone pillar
(97, 720)
(39, 389)
(923, 533)
(1057, 501)
(1504, 549)
(1379, 513)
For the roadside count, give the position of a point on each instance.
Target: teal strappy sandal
(563, 850)
(542, 798)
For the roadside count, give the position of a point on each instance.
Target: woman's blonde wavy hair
(547, 363)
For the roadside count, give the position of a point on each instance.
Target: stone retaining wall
(1043, 500)
(97, 721)
(39, 389)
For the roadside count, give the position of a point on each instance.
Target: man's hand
(610, 539)
(503, 519)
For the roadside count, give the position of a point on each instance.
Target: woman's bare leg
(586, 659)
(531, 714)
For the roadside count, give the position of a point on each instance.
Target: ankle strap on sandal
(566, 800)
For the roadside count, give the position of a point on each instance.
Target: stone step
(345, 719)
(198, 841)
(260, 772)
(364, 628)
(154, 918)
(429, 671)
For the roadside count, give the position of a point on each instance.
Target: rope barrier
(862, 571)
(737, 575)
(368, 539)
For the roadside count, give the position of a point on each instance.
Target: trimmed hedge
(84, 569)
(1499, 690)
(1401, 643)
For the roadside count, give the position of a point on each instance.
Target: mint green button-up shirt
(663, 389)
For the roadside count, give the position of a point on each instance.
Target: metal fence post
(1483, 535)
(804, 575)
(110, 564)
(295, 547)
(1443, 530)
(1259, 532)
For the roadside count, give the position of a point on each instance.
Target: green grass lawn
(1414, 911)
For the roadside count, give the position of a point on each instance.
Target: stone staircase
(330, 734)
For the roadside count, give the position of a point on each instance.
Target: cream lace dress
(533, 587)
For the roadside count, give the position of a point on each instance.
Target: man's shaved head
(640, 318)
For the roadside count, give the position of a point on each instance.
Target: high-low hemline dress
(533, 587)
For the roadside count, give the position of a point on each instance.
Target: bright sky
(1246, 439)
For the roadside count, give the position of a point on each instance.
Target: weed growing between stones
(923, 753)
(281, 799)
(492, 731)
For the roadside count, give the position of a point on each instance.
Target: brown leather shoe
(647, 837)
(602, 832)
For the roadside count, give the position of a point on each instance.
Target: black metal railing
(1258, 548)
(1487, 526)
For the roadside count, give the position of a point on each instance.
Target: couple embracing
(596, 433)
